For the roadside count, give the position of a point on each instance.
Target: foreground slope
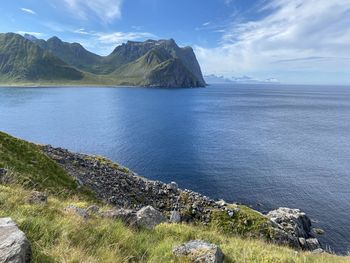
(57, 236)
(22, 60)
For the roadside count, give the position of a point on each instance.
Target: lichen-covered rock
(77, 211)
(200, 252)
(149, 217)
(14, 246)
(36, 197)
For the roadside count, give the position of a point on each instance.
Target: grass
(58, 236)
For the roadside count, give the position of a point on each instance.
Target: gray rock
(291, 220)
(126, 215)
(149, 217)
(36, 197)
(175, 217)
(293, 227)
(312, 244)
(172, 186)
(14, 246)
(77, 211)
(318, 251)
(221, 202)
(200, 251)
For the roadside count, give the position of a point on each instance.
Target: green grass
(58, 236)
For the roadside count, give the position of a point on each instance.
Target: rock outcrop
(200, 252)
(36, 197)
(293, 228)
(14, 246)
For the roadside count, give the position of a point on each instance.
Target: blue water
(268, 145)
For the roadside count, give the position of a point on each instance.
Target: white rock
(14, 246)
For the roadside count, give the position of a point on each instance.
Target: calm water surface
(269, 145)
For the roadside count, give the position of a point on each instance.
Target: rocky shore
(126, 190)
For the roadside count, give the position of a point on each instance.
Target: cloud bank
(296, 35)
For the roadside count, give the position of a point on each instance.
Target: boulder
(77, 211)
(14, 246)
(36, 197)
(175, 217)
(126, 215)
(172, 186)
(293, 227)
(292, 221)
(200, 251)
(149, 217)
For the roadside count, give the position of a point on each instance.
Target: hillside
(151, 63)
(22, 60)
(60, 236)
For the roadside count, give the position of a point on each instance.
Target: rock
(77, 211)
(175, 217)
(318, 251)
(318, 231)
(312, 244)
(293, 227)
(149, 217)
(221, 202)
(292, 220)
(126, 215)
(14, 246)
(92, 209)
(36, 197)
(230, 213)
(200, 251)
(172, 186)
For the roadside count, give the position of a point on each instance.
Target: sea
(266, 146)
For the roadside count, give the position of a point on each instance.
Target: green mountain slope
(156, 68)
(150, 63)
(22, 60)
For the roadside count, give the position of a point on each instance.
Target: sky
(293, 41)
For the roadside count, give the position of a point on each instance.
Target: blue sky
(294, 41)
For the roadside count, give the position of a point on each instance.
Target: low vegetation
(58, 236)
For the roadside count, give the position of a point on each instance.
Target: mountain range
(26, 59)
(214, 79)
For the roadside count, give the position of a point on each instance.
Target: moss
(245, 222)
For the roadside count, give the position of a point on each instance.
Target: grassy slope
(60, 237)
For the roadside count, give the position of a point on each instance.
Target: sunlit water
(268, 145)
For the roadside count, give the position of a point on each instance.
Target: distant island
(26, 60)
(214, 79)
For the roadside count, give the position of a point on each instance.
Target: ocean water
(265, 146)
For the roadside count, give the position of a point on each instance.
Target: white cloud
(36, 34)
(105, 10)
(29, 11)
(288, 39)
(104, 43)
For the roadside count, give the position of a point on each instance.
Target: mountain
(148, 63)
(22, 60)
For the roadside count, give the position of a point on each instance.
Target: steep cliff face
(150, 63)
